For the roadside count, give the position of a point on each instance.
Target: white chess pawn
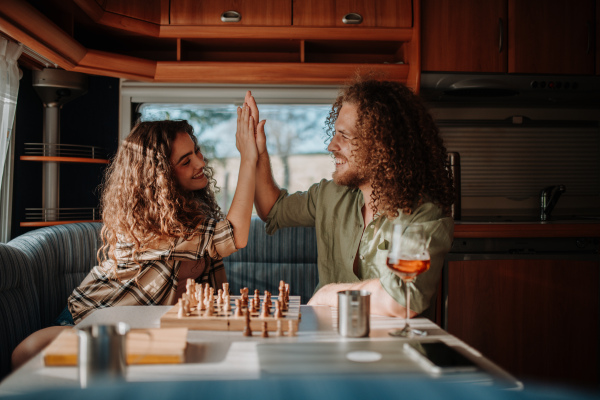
(180, 304)
(200, 297)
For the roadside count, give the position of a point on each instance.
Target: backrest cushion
(61, 256)
(19, 306)
(290, 255)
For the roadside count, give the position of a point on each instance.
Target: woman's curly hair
(398, 145)
(141, 200)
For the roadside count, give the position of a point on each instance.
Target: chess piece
(244, 296)
(265, 311)
(210, 310)
(267, 299)
(180, 313)
(255, 303)
(200, 297)
(256, 300)
(238, 308)
(287, 293)
(185, 305)
(281, 289)
(220, 297)
(265, 330)
(278, 313)
(226, 288)
(247, 329)
(190, 291)
(227, 302)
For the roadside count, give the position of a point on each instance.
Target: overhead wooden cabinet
(554, 37)
(356, 13)
(464, 35)
(223, 41)
(224, 12)
(514, 36)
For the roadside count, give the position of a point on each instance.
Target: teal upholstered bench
(290, 255)
(40, 269)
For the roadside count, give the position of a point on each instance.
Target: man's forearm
(381, 302)
(266, 192)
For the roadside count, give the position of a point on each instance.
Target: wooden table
(221, 355)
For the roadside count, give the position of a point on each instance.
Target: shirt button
(362, 257)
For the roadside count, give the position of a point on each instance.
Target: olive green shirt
(335, 212)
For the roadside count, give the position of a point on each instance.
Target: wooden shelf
(38, 224)
(65, 159)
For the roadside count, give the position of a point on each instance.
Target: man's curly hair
(141, 200)
(397, 145)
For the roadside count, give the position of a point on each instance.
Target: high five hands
(261, 140)
(245, 137)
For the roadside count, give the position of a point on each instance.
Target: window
(295, 133)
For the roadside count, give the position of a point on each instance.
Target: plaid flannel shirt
(155, 283)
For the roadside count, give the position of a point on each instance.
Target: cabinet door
(373, 13)
(538, 319)
(464, 35)
(145, 10)
(551, 36)
(209, 12)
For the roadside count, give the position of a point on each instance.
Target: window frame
(135, 92)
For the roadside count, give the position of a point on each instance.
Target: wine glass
(408, 257)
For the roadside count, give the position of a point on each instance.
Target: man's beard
(351, 178)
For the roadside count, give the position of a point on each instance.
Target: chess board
(223, 320)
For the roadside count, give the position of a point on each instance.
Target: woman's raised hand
(245, 139)
(261, 140)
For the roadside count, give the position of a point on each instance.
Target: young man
(390, 167)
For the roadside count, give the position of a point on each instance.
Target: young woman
(161, 224)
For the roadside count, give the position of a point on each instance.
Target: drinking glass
(408, 257)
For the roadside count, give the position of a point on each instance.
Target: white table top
(222, 355)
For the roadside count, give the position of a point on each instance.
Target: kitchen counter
(523, 226)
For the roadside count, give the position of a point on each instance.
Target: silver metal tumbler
(102, 355)
(354, 308)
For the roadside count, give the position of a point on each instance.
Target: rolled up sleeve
(297, 209)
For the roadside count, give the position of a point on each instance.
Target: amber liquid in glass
(408, 269)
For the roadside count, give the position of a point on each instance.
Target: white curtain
(9, 89)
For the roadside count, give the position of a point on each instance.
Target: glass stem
(407, 293)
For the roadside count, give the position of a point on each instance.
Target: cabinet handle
(352, 18)
(501, 35)
(231, 16)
